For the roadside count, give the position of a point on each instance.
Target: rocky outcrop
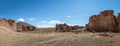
(22, 26)
(8, 24)
(62, 27)
(103, 22)
(66, 28)
(11, 25)
(118, 23)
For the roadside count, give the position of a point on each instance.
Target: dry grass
(36, 38)
(42, 30)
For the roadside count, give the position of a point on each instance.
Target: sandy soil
(9, 38)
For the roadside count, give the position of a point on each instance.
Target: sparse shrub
(93, 31)
(76, 32)
(103, 34)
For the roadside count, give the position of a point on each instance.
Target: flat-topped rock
(103, 22)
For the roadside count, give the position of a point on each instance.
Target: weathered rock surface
(8, 24)
(118, 23)
(66, 28)
(22, 26)
(103, 22)
(62, 27)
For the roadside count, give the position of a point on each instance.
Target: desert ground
(48, 37)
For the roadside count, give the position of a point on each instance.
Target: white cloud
(21, 20)
(45, 21)
(55, 22)
(72, 24)
(31, 19)
(44, 26)
(69, 16)
(51, 23)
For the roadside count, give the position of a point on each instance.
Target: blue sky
(46, 13)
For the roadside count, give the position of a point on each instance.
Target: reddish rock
(62, 27)
(66, 28)
(118, 23)
(76, 27)
(103, 22)
(92, 23)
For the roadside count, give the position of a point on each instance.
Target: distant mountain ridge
(23, 26)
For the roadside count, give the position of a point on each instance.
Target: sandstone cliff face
(8, 24)
(92, 23)
(118, 23)
(103, 22)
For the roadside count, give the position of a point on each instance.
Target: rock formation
(8, 24)
(62, 27)
(22, 26)
(118, 23)
(66, 28)
(103, 22)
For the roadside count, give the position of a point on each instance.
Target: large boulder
(8, 24)
(103, 22)
(62, 27)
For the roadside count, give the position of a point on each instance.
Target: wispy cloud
(72, 24)
(21, 20)
(51, 23)
(55, 22)
(45, 21)
(69, 16)
(31, 19)
(1, 16)
(44, 26)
